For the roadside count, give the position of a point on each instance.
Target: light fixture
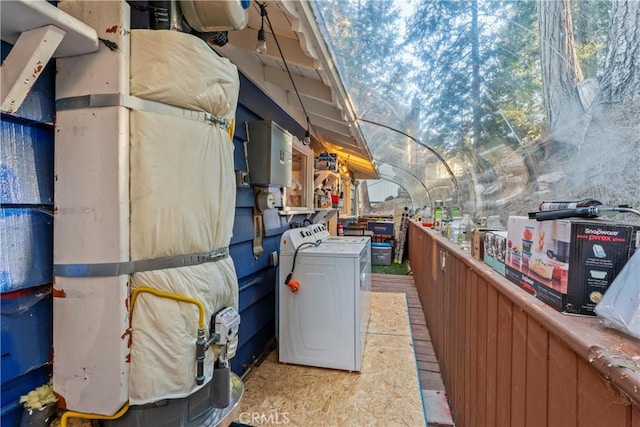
(307, 135)
(261, 47)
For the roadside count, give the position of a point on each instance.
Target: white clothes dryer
(320, 232)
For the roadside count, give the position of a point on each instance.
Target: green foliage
(589, 54)
(590, 27)
(515, 88)
(393, 268)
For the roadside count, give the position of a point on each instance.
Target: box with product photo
(568, 263)
(495, 249)
(477, 242)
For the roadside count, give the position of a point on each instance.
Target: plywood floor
(386, 392)
(430, 377)
(435, 399)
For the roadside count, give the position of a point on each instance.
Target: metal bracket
(324, 215)
(25, 63)
(39, 31)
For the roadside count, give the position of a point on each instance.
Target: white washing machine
(323, 323)
(320, 232)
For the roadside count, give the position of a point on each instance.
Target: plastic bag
(620, 305)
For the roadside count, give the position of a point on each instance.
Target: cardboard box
(569, 264)
(357, 231)
(382, 228)
(495, 250)
(477, 242)
(327, 161)
(381, 253)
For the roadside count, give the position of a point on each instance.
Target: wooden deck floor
(438, 413)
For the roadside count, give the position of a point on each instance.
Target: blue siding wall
(26, 236)
(27, 244)
(256, 279)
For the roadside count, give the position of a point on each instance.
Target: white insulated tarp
(182, 186)
(182, 194)
(181, 70)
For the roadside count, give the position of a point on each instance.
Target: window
(299, 196)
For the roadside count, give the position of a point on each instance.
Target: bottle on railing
(454, 228)
(446, 228)
(340, 230)
(466, 231)
(571, 204)
(444, 221)
(437, 215)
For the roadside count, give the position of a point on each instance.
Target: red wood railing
(508, 359)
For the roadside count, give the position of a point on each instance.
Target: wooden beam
(338, 127)
(310, 87)
(292, 51)
(333, 135)
(319, 108)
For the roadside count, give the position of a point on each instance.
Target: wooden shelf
(25, 15)
(291, 213)
(320, 176)
(324, 215)
(39, 32)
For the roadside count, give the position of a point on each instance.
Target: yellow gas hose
(86, 416)
(134, 295)
(176, 297)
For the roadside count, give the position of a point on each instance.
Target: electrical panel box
(269, 153)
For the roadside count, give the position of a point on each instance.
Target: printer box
(568, 263)
(381, 228)
(495, 249)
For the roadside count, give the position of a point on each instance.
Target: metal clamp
(111, 269)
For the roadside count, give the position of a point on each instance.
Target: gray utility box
(269, 154)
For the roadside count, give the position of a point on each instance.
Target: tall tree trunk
(560, 67)
(475, 74)
(621, 79)
(482, 174)
(605, 163)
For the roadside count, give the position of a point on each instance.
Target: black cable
(286, 66)
(295, 256)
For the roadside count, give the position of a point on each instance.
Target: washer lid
(347, 239)
(334, 249)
